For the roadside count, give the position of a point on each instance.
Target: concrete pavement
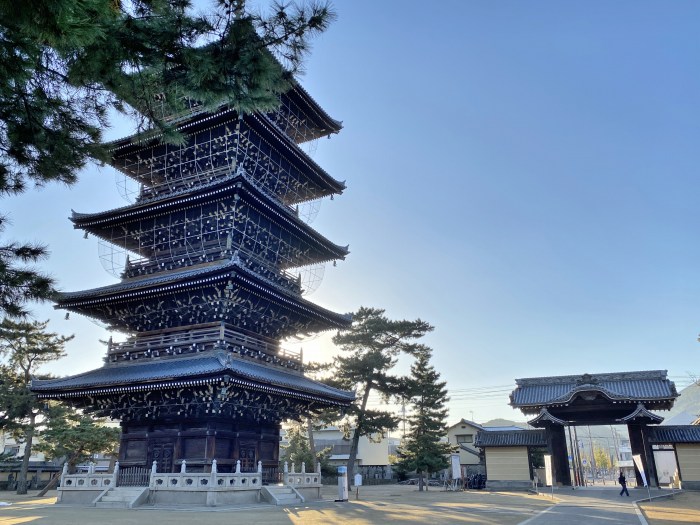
(595, 505)
(377, 505)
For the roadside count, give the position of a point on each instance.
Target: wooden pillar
(640, 446)
(210, 452)
(560, 457)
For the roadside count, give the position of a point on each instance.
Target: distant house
(40, 470)
(462, 434)
(371, 450)
(12, 449)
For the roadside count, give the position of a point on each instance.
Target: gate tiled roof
(674, 434)
(511, 438)
(643, 386)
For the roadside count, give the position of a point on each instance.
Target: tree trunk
(312, 443)
(24, 469)
(50, 485)
(420, 482)
(353, 454)
(356, 435)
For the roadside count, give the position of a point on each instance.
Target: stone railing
(205, 481)
(301, 479)
(183, 480)
(88, 480)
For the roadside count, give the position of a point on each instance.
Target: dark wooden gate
(134, 477)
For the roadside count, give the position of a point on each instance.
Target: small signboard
(640, 467)
(548, 470)
(358, 480)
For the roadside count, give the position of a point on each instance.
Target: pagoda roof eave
(175, 280)
(133, 143)
(334, 125)
(91, 221)
(169, 372)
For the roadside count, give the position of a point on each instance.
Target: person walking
(622, 480)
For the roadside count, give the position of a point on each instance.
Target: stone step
(111, 504)
(285, 497)
(118, 497)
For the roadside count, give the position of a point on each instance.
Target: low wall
(209, 498)
(76, 497)
(310, 493)
(508, 485)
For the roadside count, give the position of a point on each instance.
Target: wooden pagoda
(207, 292)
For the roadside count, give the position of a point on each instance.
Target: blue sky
(523, 175)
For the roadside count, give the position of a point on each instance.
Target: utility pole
(578, 458)
(403, 417)
(594, 467)
(578, 482)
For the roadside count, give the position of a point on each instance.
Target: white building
(371, 450)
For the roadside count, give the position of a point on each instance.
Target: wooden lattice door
(162, 454)
(247, 456)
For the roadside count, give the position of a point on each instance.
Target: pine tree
(75, 437)
(298, 449)
(369, 351)
(20, 283)
(424, 450)
(25, 347)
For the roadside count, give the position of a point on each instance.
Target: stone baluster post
(115, 474)
(183, 467)
(259, 467)
(318, 469)
(64, 473)
(154, 472)
(285, 472)
(238, 466)
(212, 482)
(293, 469)
(303, 467)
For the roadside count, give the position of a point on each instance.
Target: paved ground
(682, 508)
(594, 505)
(377, 505)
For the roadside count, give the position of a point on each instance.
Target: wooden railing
(199, 338)
(133, 477)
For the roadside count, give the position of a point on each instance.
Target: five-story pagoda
(206, 294)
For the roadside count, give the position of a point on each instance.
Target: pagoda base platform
(198, 442)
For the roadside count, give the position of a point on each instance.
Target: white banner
(548, 470)
(456, 467)
(640, 467)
